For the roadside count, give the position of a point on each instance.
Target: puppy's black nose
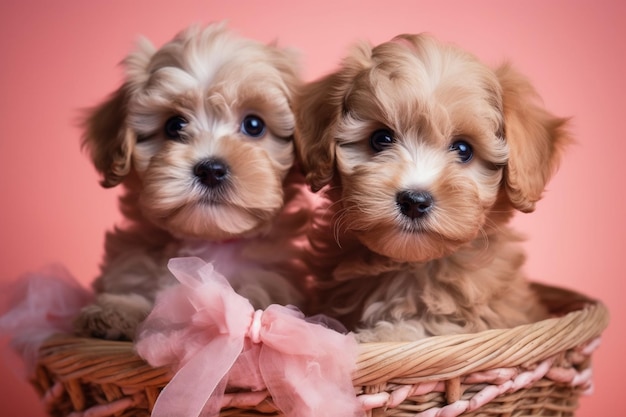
(211, 172)
(414, 204)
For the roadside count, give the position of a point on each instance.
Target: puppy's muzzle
(414, 204)
(211, 172)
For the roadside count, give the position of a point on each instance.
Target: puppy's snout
(211, 172)
(414, 204)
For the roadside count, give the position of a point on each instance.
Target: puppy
(200, 136)
(425, 153)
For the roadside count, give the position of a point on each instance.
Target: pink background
(58, 57)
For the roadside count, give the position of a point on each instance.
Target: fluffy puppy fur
(426, 153)
(200, 135)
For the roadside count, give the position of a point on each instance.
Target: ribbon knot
(200, 328)
(255, 327)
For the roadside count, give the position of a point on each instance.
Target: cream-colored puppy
(200, 137)
(426, 153)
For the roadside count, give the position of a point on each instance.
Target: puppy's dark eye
(463, 149)
(381, 139)
(174, 127)
(253, 126)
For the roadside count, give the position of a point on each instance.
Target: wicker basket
(539, 369)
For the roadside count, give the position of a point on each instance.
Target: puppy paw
(112, 316)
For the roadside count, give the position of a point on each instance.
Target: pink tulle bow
(215, 339)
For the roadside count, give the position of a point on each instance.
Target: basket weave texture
(540, 369)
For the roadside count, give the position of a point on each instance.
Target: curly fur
(249, 223)
(457, 268)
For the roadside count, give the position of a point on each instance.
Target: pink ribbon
(214, 339)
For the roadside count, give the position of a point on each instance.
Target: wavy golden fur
(424, 153)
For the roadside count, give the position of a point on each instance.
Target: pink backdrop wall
(57, 57)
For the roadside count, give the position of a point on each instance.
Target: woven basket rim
(582, 319)
(444, 357)
(76, 374)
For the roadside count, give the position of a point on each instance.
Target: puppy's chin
(236, 212)
(410, 246)
(215, 221)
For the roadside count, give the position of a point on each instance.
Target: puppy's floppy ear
(316, 114)
(319, 107)
(536, 140)
(108, 138)
(287, 61)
